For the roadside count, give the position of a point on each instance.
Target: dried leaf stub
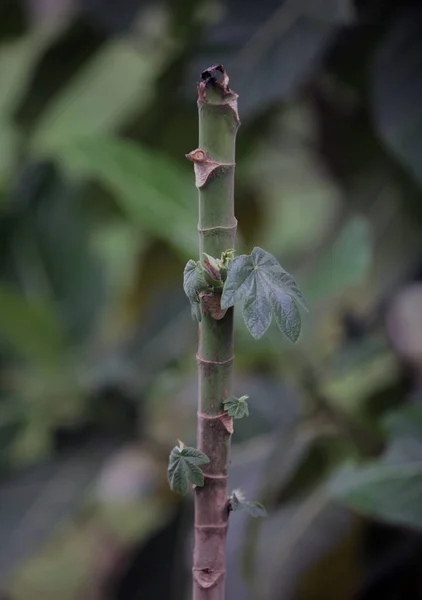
(211, 304)
(207, 578)
(198, 156)
(210, 82)
(227, 421)
(204, 165)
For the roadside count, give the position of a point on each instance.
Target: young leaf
(183, 469)
(255, 509)
(237, 407)
(212, 266)
(226, 258)
(190, 280)
(239, 502)
(193, 282)
(259, 281)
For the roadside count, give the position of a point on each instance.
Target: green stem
(214, 163)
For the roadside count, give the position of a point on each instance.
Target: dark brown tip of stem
(211, 81)
(209, 75)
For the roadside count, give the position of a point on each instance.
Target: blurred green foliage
(98, 217)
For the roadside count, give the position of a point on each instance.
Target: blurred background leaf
(30, 330)
(162, 206)
(346, 263)
(389, 488)
(396, 66)
(98, 216)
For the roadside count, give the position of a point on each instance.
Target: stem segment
(214, 163)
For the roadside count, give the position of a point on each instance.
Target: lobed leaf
(183, 469)
(259, 281)
(287, 315)
(236, 407)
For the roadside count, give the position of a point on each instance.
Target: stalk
(214, 164)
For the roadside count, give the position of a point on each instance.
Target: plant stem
(214, 173)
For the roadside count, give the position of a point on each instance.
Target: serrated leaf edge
(291, 290)
(181, 453)
(239, 501)
(236, 402)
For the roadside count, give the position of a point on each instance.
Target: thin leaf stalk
(214, 164)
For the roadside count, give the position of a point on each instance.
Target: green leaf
(312, 458)
(405, 421)
(190, 280)
(255, 509)
(56, 244)
(111, 86)
(389, 488)
(226, 258)
(237, 407)
(259, 281)
(239, 502)
(47, 250)
(387, 492)
(17, 60)
(31, 328)
(346, 263)
(396, 65)
(159, 205)
(183, 469)
(193, 282)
